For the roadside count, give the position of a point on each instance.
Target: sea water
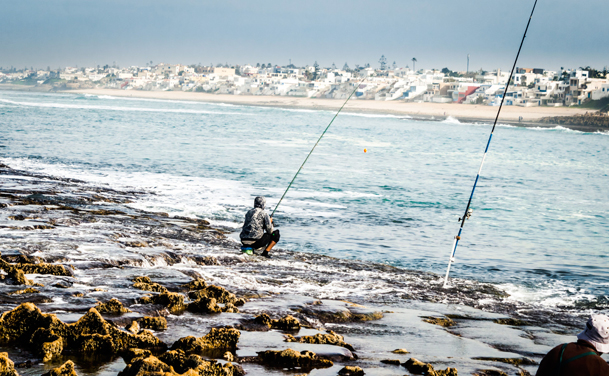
(539, 228)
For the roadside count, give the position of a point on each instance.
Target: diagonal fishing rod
(314, 146)
(468, 211)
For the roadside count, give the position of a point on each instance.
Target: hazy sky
(439, 33)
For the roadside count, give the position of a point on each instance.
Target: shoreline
(418, 111)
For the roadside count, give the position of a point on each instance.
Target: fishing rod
(314, 146)
(468, 210)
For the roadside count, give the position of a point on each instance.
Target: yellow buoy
(365, 150)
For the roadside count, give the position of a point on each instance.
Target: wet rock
(329, 338)
(204, 305)
(18, 325)
(419, 368)
(94, 343)
(290, 358)
(513, 361)
(221, 295)
(147, 366)
(153, 366)
(29, 290)
(217, 338)
(14, 275)
(154, 287)
(395, 362)
(286, 323)
(130, 354)
(7, 367)
(133, 327)
(26, 326)
(63, 284)
(136, 244)
(181, 362)
(441, 321)
(332, 314)
(112, 306)
(27, 364)
(66, 369)
(154, 323)
(351, 371)
(142, 279)
(263, 319)
(172, 300)
(228, 356)
(511, 322)
(490, 372)
(46, 344)
(400, 351)
(197, 284)
(44, 268)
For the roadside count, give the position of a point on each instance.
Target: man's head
(259, 202)
(597, 332)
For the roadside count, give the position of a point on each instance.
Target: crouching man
(258, 231)
(581, 358)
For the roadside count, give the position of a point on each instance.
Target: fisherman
(258, 231)
(581, 358)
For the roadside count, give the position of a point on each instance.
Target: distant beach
(462, 112)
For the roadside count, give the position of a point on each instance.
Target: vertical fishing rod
(468, 211)
(314, 146)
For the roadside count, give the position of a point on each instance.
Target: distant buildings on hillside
(529, 86)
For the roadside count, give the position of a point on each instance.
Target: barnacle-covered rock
(329, 338)
(217, 338)
(419, 368)
(290, 358)
(154, 323)
(197, 284)
(112, 306)
(351, 371)
(46, 343)
(7, 367)
(173, 301)
(66, 369)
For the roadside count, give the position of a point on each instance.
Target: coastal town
(529, 86)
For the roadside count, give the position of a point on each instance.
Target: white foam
(451, 120)
(117, 108)
(376, 115)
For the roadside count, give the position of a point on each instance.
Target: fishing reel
(469, 213)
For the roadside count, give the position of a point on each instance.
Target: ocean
(539, 229)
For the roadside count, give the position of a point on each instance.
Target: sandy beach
(441, 110)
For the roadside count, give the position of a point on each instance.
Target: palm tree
(414, 60)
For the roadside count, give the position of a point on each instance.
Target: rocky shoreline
(91, 286)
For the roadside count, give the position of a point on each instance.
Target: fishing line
(468, 211)
(314, 146)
